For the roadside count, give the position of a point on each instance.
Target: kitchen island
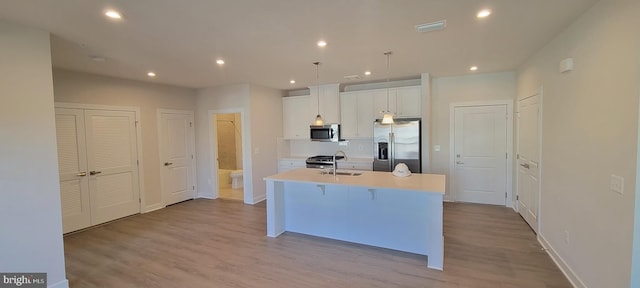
(374, 208)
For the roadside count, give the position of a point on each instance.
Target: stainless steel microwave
(325, 133)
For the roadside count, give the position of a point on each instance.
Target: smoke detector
(433, 26)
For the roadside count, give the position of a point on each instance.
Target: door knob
(82, 174)
(525, 165)
(167, 163)
(94, 172)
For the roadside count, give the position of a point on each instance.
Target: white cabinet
(408, 102)
(290, 164)
(329, 102)
(380, 101)
(404, 102)
(296, 117)
(356, 110)
(359, 109)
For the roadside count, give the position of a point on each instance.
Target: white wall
(470, 88)
(590, 131)
(75, 87)
(30, 213)
(266, 126)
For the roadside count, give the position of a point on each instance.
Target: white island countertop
(375, 179)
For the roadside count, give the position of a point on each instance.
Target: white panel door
(528, 157)
(72, 166)
(112, 163)
(480, 135)
(176, 152)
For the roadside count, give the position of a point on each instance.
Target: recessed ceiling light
(473, 68)
(113, 14)
(151, 74)
(367, 73)
(220, 62)
(483, 13)
(292, 81)
(322, 43)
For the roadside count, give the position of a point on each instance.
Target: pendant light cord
(318, 84)
(388, 65)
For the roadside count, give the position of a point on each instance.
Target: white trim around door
(509, 144)
(246, 152)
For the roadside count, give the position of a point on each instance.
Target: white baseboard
(153, 207)
(258, 199)
(62, 284)
(205, 197)
(564, 267)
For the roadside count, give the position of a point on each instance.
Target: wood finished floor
(230, 193)
(222, 243)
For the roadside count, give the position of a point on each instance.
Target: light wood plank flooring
(230, 193)
(222, 243)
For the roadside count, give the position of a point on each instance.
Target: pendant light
(387, 116)
(319, 121)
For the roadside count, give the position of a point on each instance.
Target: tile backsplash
(355, 148)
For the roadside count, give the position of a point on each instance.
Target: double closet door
(98, 165)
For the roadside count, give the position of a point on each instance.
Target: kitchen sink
(340, 173)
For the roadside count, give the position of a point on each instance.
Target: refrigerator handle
(392, 150)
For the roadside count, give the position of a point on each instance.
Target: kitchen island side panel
(409, 221)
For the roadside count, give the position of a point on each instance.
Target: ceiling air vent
(433, 26)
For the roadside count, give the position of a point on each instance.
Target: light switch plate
(617, 184)
(436, 148)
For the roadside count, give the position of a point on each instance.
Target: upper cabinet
(354, 110)
(329, 102)
(357, 114)
(407, 101)
(403, 102)
(296, 117)
(359, 109)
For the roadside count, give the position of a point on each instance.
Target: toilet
(236, 179)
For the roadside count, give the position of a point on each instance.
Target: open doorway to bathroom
(229, 156)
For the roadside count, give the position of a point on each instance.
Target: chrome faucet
(335, 164)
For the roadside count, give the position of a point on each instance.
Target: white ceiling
(269, 42)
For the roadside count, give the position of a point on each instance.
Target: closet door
(112, 163)
(72, 167)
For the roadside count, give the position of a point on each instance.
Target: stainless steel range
(321, 161)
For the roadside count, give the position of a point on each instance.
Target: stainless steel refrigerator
(395, 143)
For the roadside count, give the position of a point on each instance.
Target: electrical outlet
(566, 237)
(617, 184)
(436, 148)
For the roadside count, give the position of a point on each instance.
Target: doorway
(229, 157)
(481, 160)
